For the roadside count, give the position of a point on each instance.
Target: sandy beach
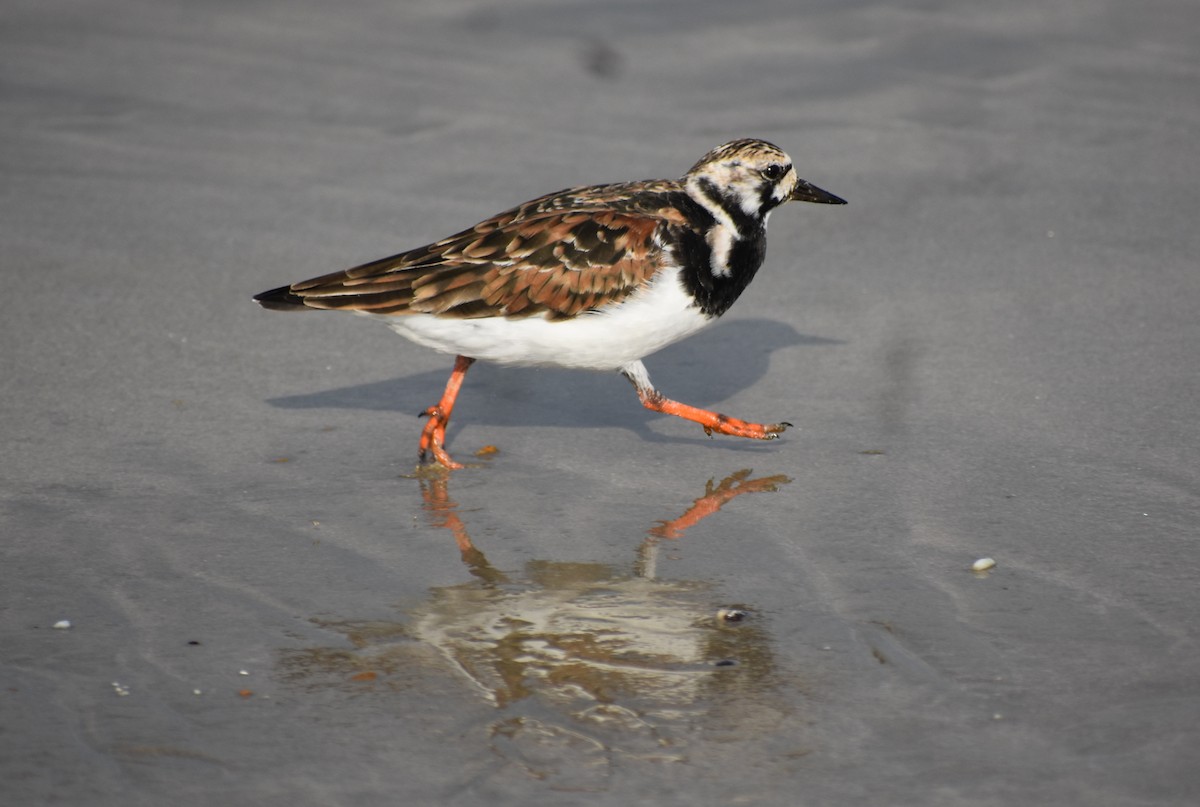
(223, 583)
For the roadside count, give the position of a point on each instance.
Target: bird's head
(750, 178)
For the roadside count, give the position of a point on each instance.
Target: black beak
(804, 192)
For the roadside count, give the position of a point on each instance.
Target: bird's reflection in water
(581, 658)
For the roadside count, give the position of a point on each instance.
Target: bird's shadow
(702, 370)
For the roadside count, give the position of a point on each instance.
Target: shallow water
(988, 353)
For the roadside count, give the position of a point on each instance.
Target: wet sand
(991, 352)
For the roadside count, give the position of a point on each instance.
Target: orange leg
(655, 401)
(433, 436)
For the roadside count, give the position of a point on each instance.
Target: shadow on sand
(705, 369)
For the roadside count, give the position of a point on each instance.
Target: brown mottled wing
(557, 256)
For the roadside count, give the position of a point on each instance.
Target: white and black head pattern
(737, 185)
(741, 182)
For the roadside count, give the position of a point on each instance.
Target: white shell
(62, 624)
(983, 564)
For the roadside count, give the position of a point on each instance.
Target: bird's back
(574, 250)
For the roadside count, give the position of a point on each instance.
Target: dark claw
(785, 423)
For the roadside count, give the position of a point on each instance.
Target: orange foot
(433, 436)
(655, 401)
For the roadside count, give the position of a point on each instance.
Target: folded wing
(556, 256)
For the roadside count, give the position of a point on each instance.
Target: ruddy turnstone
(592, 278)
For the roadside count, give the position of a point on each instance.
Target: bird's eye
(774, 171)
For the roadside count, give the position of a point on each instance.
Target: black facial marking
(766, 200)
(745, 223)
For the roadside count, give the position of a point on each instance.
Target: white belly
(660, 314)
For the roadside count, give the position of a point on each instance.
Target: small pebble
(62, 624)
(731, 614)
(983, 564)
(242, 672)
(120, 689)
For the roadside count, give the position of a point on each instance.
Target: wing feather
(556, 256)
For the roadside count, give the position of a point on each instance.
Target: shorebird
(594, 278)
